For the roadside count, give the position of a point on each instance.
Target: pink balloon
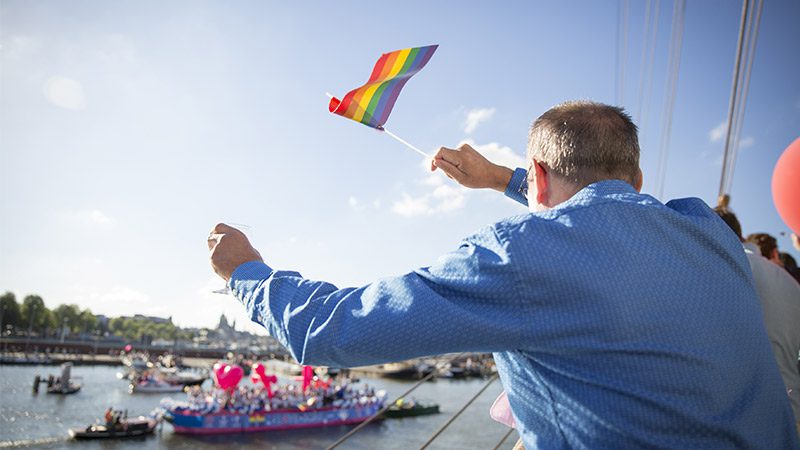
(229, 377)
(786, 186)
(128, 348)
(254, 378)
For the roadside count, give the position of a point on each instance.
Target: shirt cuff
(517, 188)
(248, 276)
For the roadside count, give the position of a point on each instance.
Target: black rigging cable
(751, 37)
(734, 93)
(646, 93)
(643, 64)
(360, 426)
(674, 64)
(458, 413)
(622, 48)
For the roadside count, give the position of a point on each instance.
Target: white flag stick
(398, 138)
(402, 141)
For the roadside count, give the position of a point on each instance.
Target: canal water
(29, 420)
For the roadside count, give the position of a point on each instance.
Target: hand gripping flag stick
(372, 103)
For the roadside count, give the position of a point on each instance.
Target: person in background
(109, 417)
(779, 294)
(790, 265)
(767, 246)
(616, 321)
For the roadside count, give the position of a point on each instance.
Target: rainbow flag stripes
(372, 103)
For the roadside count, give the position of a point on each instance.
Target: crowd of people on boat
(251, 399)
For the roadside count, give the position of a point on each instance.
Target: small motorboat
(124, 428)
(64, 389)
(410, 408)
(155, 386)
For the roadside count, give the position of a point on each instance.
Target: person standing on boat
(109, 417)
(616, 321)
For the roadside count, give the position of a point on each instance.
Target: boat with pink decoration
(187, 422)
(260, 407)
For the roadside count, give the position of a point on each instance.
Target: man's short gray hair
(584, 142)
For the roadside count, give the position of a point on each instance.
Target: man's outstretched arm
(471, 169)
(466, 301)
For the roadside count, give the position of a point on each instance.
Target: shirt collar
(752, 248)
(601, 189)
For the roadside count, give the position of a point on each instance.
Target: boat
(153, 386)
(412, 408)
(225, 422)
(58, 388)
(63, 384)
(253, 409)
(406, 370)
(184, 377)
(138, 426)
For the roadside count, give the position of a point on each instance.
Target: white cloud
(65, 92)
(83, 218)
(99, 218)
(441, 196)
(355, 205)
(443, 199)
(123, 294)
(475, 117)
(358, 206)
(19, 46)
(115, 301)
(718, 132)
(498, 154)
(746, 142)
(444, 195)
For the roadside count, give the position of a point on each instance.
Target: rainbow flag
(371, 103)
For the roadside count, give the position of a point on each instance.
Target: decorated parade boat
(229, 408)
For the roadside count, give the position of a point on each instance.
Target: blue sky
(128, 129)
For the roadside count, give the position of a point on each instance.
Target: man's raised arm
(452, 306)
(471, 169)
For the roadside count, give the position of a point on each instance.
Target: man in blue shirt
(615, 321)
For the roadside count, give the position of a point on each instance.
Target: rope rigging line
(458, 413)
(505, 436)
(676, 42)
(360, 426)
(622, 48)
(645, 47)
(734, 92)
(749, 56)
(645, 93)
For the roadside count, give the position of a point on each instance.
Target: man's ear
(776, 256)
(542, 179)
(638, 181)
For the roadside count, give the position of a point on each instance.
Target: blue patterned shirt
(615, 322)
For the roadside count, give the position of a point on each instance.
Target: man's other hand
(229, 249)
(470, 169)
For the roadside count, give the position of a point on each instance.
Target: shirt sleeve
(517, 188)
(463, 302)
